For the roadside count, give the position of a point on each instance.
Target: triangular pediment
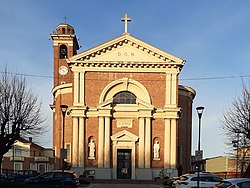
(106, 103)
(143, 104)
(124, 136)
(126, 49)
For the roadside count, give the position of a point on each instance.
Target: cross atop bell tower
(65, 19)
(126, 20)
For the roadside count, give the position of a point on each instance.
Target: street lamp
(236, 144)
(63, 152)
(199, 112)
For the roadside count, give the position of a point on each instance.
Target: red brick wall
(185, 131)
(102, 79)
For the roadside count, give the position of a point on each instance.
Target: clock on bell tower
(65, 46)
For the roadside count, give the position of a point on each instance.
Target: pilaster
(81, 141)
(76, 88)
(173, 143)
(75, 142)
(148, 143)
(82, 88)
(141, 160)
(101, 143)
(167, 143)
(107, 143)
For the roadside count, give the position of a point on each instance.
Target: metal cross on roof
(65, 19)
(126, 20)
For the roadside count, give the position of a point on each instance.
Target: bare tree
(236, 125)
(20, 111)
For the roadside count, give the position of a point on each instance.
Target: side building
(26, 155)
(127, 116)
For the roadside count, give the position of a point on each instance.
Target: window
(42, 168)
(244, 184)
(33, 166)
(47, 175)
(18, 166)
(124, 97)
(50, 167)
(63, 31)
(63, 52)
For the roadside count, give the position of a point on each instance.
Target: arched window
(124, 97)
(63, 31)
(63, 52)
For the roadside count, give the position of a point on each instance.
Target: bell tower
(65, 46)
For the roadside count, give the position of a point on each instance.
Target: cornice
(128, 65)
(186, 91)
(61, 87)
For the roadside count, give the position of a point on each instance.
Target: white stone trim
(148, 143)
(167, 142)
(81, 141)
(76, 88)
(125, 84)
(75, 142)
(107, 143)
(141, 161)
(173, 143)
(101, 143)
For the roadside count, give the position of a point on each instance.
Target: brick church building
(127, 115)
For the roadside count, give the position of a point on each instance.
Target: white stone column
(168, 89)
(76, 88)
(81, 141)
(75, 142)
(173, 143)
(147, 143)
(141, 161)
(114, 153)
(133, 160)
(167, 143)
(107, 143)
(82, 88)
(101, 142)
(174, 89)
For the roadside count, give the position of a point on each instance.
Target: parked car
(234, 183)
(3, 177)
(22, 175)
(57, 178)
(190, 180)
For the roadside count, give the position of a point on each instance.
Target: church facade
(127, 115)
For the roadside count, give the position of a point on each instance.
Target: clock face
(63, 70)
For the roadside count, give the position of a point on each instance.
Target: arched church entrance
(131, 112)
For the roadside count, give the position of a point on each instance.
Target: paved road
(98, 185)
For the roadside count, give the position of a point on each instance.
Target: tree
(236, 125)
(20, 111)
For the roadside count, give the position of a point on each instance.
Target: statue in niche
(156, 150)
(91, 149)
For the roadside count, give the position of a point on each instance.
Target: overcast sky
(213, 36)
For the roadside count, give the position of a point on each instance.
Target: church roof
(126, 50)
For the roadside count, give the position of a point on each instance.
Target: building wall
(186, 96)
(29, 155)
(222, 166)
